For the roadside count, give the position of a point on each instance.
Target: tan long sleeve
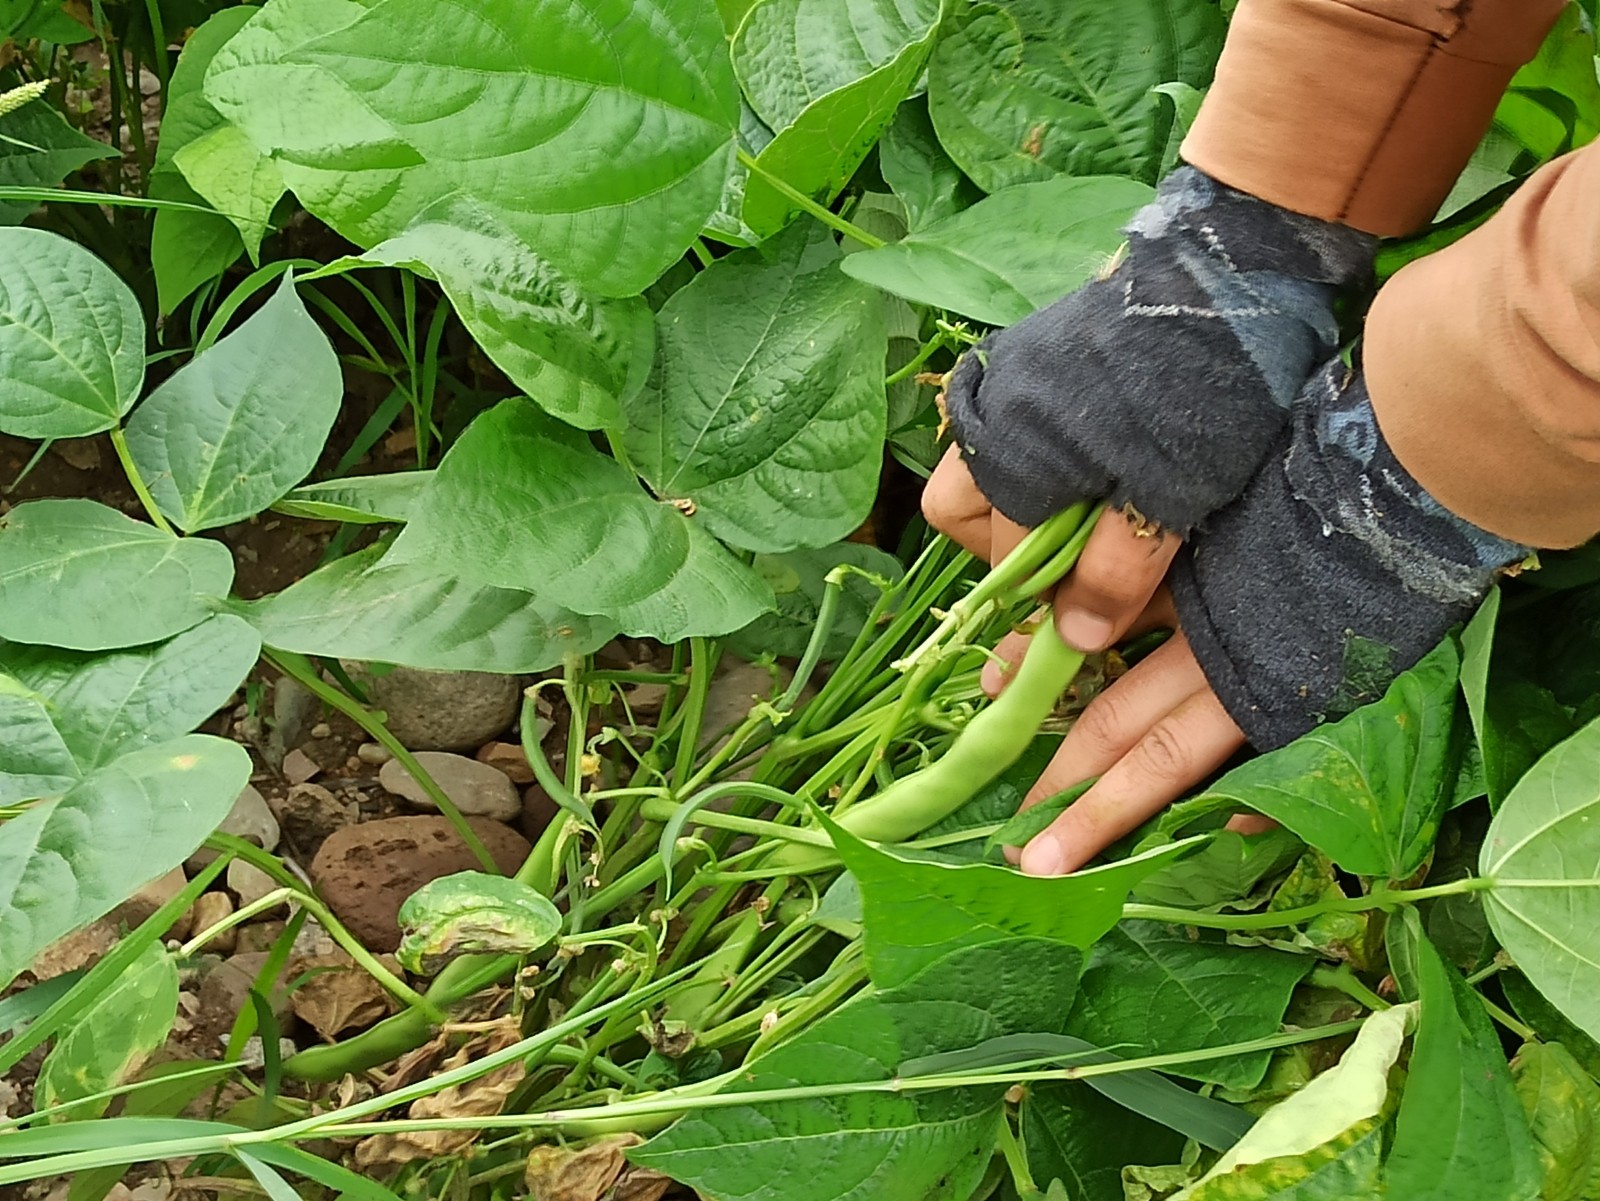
(1360, 111)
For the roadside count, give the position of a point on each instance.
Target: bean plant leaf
(1075, 1135)
(34, 760)
(1542, 855)
(1370, 789)
(1461, 1131)
(71, 337)
(110, 1040)
(1321, 1131)
(79, 575)
(1010, 254)
(799, 582)
(105, 705)
(189, 248)
(148, 812)
(827, 76)
(364, 607)
(38, 149)
(574, 354)
(360, 499)
(1562, 1103)
(225, 168)
(243, 423)
(766, 408)
(1022, 90)
(918, 170)
(525, 503)
(1153, 988)
(917, 912)
(600, 136)
(913, 1145)
(1529, 1004)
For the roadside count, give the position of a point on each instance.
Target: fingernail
(1042, 857)
(1085, 631)
(989, 678)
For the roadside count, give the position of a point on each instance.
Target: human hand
(1332, 574)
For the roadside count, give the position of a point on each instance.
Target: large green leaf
(1461, 1131)
(799, 582)
(1543, 857)
(105, 705)
(235, 178)
(1010, 254)
(109, 1041)
(1324, 1138)
(1025, 89)
(188, 248)
(384, 499)
(599, 132)
(916, 1145)
(827, 75)
(38, 149)
(1369, 790)
(79, 575)
(918, 170)
(526, 503)
(575, 354)
(766, 409)
(1156, 989)
(362, 607)
(71, 338)
(1562, 1102)
(1075, 1135)
(243, 423)
(68, 861)
(34, 760)
(918, 912)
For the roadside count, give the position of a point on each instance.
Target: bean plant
(661, 294)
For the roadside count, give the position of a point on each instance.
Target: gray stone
(295, 709)
(310, 813)
(249, 883)
(445, 710)
(477, 789)
(225, 991)
(374, 754)
(209, 909)
(251, 819)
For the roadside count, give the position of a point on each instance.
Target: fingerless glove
(1163, 384)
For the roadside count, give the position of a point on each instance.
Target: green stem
(1016, 1161)
(119, 441)
(1344, 979)
(299, 668)
(1273, 919)
(803, 202)
(916, 364)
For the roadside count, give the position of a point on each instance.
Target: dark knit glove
(1333, 573)
(1163, 384)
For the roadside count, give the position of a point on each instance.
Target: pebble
(364, 872)
(209, 909)
(309, 813)
(445, 710)
(477, 789)
(322, 730)
(299, 767)
(249, 883)
(295, 709)
(258, 936)
(253, 1055)
(250, 819)
(507, 757)
(376, 755)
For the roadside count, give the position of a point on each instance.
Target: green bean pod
(992, 742)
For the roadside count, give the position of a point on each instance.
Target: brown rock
(364, 872)
(209, 909)
(538, 811)
(299, 767)
(509, 758)
(309, 814)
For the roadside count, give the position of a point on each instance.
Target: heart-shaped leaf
(766, 410)
(71, 338)
(523, 502)
(79, 575)
(243, 423)
(68, 861)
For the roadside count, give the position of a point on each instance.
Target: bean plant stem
(1271, 920)
(803, 202)
(119, 441)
